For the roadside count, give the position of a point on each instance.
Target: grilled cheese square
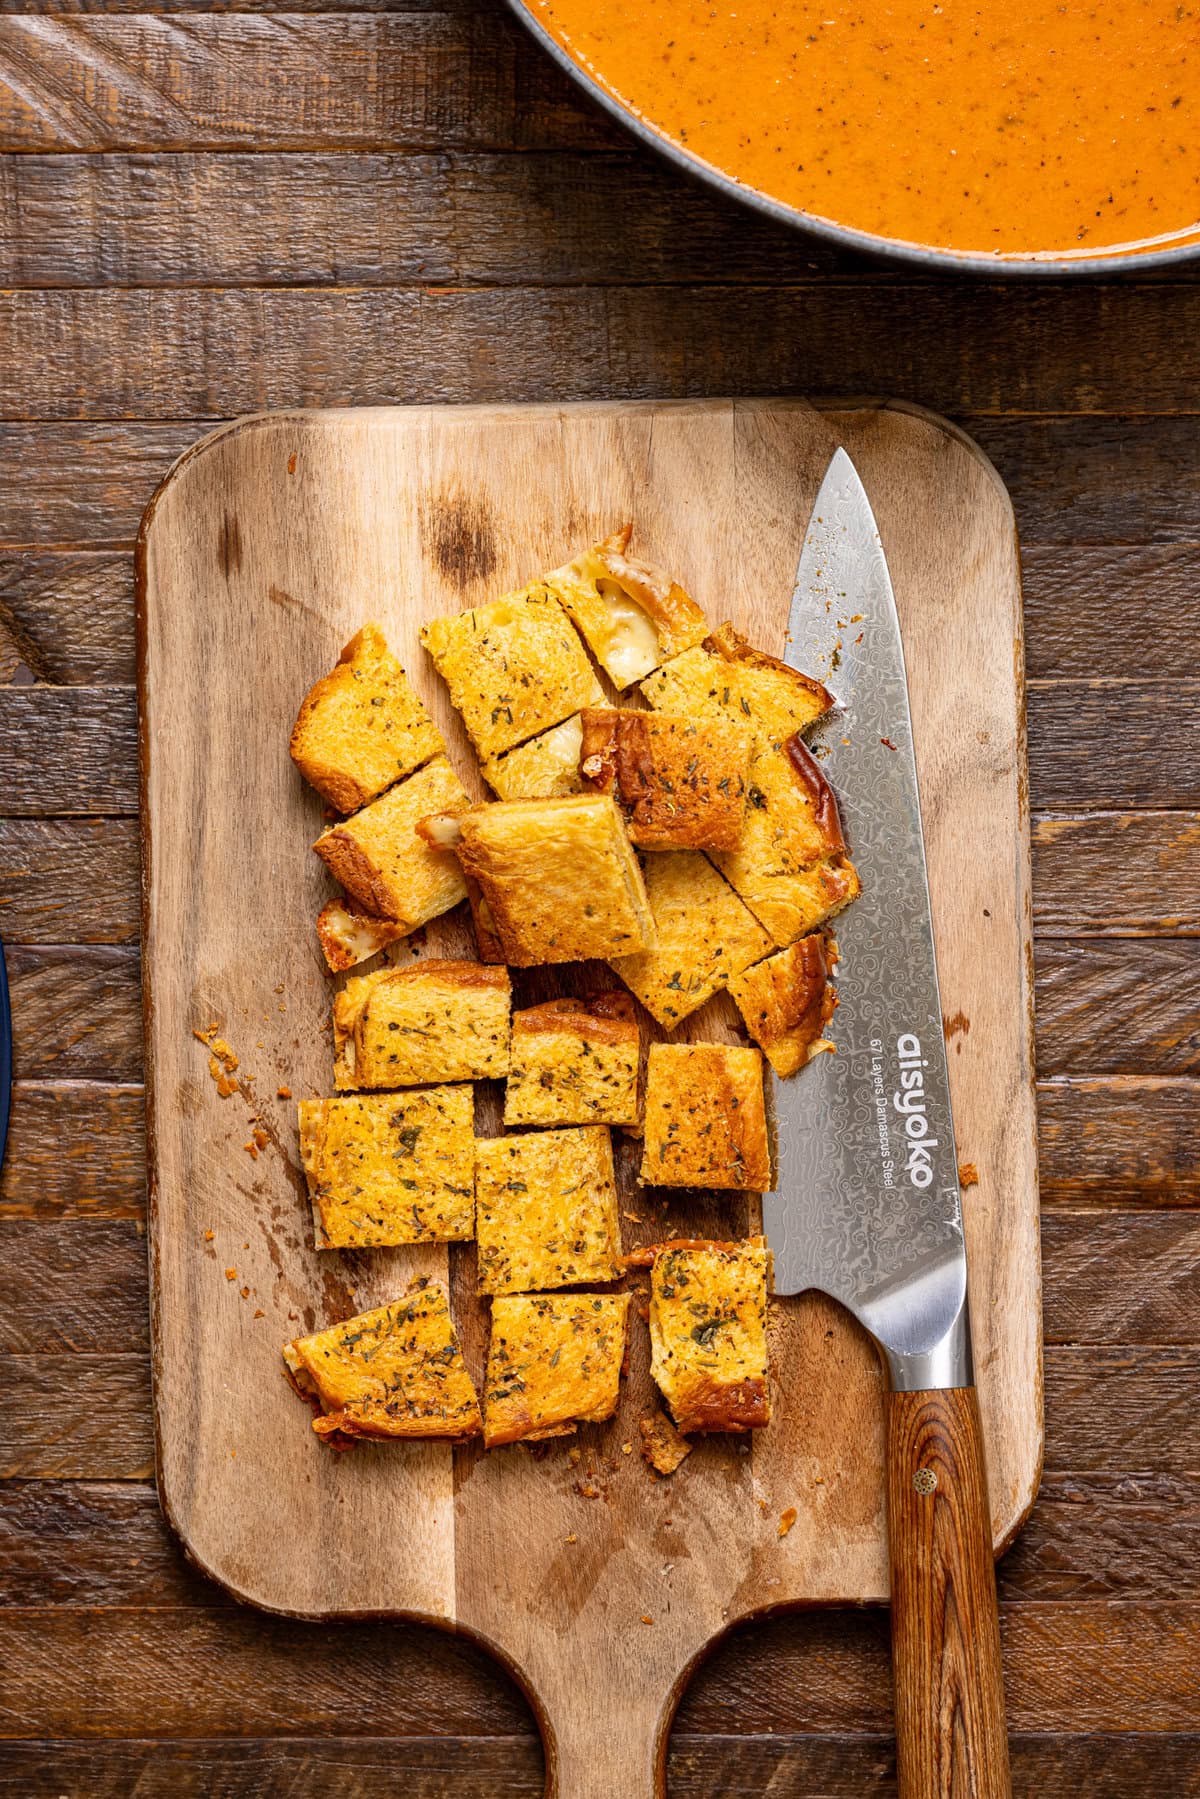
(393, 1372)
(546, 1210)
(559, 877)
(787, 1001)
(513, 668)
(706, 1120)
(547, 767)
(574, 1061)
(381, 857)
(708, 1334)
(704, 936)
(349, 934)
(725, 677)
(362, 726)
(680, 782)
(425, 1023)
(632, 615)
(390, 1168)
(791, 867)
(554, 1363)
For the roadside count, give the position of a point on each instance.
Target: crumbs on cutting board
(968, 1174)
(786, 1521)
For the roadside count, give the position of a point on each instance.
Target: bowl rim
(844, 237)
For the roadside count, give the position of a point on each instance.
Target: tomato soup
(1007, 128)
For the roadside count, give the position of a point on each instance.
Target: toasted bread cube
(791, 867)
(546, 1210)
(422, 1024)
(725, 677)
(386, 1168)
(393, 1372)
(708, 1334)
(513, 668)
(547, 767)
(706, 1120)
(632, 615)
(574, 1061)
(349, 934)
(704, 936)
(362, 726)
(554, 1363)
(787, 1001)
(680, 783)
(560, 879)
(382, 858)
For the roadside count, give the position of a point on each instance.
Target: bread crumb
(571, 1539)
(283, 1093)
(968, 1174)
(646, 1618)
(662, 1445)
(251, 1149)
(786, 1520)
(575, 1456)
(245, 1292)
(586, 1490)
(231, 1274)
(260, 1137)
(208, 1236)
(627, 1448)
(259, 1313)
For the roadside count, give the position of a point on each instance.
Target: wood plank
(75, 1287)
(81, 353)
(1121, 1278)
(76, 1013)
(1123, 1141)
(69, 879)
(327, 218)
(1075, 481)
(76, 1417)
(1087, 1666)
(73, 749)
(1116, 874)
(1082, 601)
(69, 613)
(1126, 1007)
(68, 749)
(1108, 1536)
(699, 1767)
(75, 1150)
(352, 81)
(67, 617)
(95, 1544)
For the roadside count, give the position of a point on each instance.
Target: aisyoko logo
(909, 1101)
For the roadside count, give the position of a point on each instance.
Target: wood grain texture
(76, 352)
(67, 617)
(951, 1730)
(75, 1149)
(722, 492)
(1118, 1007)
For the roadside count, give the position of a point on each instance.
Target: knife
(868, 1208)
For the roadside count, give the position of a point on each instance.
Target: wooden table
(208, 211)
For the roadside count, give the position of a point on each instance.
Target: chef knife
(868, 1207)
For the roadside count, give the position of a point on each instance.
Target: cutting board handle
(951, 1741)
(602, 1748)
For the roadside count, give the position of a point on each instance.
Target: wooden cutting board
(599, 1585)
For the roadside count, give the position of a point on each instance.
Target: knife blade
(867, 1207)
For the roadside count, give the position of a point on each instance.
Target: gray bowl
(841, 236)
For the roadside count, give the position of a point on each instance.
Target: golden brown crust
(431, 1021)
(382, 859)
(787, 1001)
(514, 668)
(705, 1122)
(390, 1168)
(680, 783)
(632, 615)
(725, 676)
(546, 1210)
(708, 1312)
(396, 1371)
(574, 1061)
(562, 883)
(349, 934)
(554, 1362)
(362, 726)
(703, 934)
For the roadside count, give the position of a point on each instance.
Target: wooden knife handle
(951, 1740)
